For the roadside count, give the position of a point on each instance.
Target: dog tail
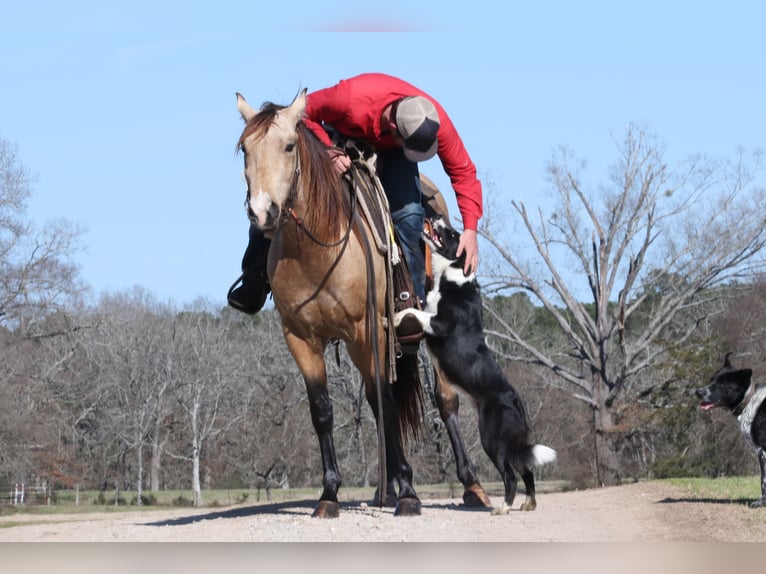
(543, 454)
(534, 456)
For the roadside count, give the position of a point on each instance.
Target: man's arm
(323, 106)
(470, 244)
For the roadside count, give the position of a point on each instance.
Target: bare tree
(37, 274)
(650, 248)
(37, 278)
(202, 380)
(133, 330)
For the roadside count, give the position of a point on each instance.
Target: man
(405, 126)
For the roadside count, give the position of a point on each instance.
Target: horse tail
(408, 394)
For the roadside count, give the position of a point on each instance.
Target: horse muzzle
(262, 211)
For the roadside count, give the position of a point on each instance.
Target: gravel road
(641, 512)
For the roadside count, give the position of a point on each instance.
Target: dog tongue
(707, 406)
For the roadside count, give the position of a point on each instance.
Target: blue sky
(126, 112)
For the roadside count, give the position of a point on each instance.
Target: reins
(372, 323)
(299, 222)
(372, 303)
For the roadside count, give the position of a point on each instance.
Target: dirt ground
(641, 512)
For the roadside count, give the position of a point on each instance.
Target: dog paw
(760, 503)
(501, 510)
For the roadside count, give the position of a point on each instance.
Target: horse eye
(289, 147)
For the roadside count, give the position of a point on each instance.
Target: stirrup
(252, 297)
(237, 281)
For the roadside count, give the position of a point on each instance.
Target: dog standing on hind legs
(734, 390)
(454, 336)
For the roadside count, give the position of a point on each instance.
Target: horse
(328, 284)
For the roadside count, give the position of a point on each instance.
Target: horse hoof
(326, 509)
(475, 497)
(529, 505)
(407, 507)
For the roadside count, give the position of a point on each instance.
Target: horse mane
(327, 200)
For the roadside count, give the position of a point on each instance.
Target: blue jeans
(401, 182)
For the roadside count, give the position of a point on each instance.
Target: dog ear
(745, 374)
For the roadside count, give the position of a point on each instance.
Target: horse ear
(298, 105)
(244, 108)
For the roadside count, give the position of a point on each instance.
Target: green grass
(738, 489)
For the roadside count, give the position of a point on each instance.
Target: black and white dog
(454, 335)
(733, 389)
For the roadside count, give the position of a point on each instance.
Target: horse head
(269, 143)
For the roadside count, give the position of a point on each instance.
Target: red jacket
(354, 106)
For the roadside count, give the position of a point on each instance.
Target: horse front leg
(397, 467)
(322, 419)
(448, 403)
(312, 366)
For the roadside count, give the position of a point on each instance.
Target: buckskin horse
(329, 283)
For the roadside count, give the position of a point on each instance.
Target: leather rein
(372, 306)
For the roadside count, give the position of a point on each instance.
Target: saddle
(374, 205)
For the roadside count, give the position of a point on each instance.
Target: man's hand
(340, 161)
(469, 244)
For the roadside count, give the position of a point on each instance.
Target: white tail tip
(543, 454)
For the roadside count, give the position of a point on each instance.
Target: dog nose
(700, 393)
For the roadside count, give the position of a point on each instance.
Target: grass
(739, 489)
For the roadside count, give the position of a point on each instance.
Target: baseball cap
(418, 123)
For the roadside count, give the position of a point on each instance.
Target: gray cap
(418, 123)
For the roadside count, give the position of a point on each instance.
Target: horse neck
(317, 211)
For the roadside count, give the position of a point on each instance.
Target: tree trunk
(606, 438)
(140, 473)
(196, 488)
(154, 470)
(156, 464)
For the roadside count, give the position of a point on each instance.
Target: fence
(21, 493)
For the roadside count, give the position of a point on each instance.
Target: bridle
(287, 209)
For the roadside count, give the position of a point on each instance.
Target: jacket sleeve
(462, 173)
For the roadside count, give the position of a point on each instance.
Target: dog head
(728, 388)
(443, 241)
